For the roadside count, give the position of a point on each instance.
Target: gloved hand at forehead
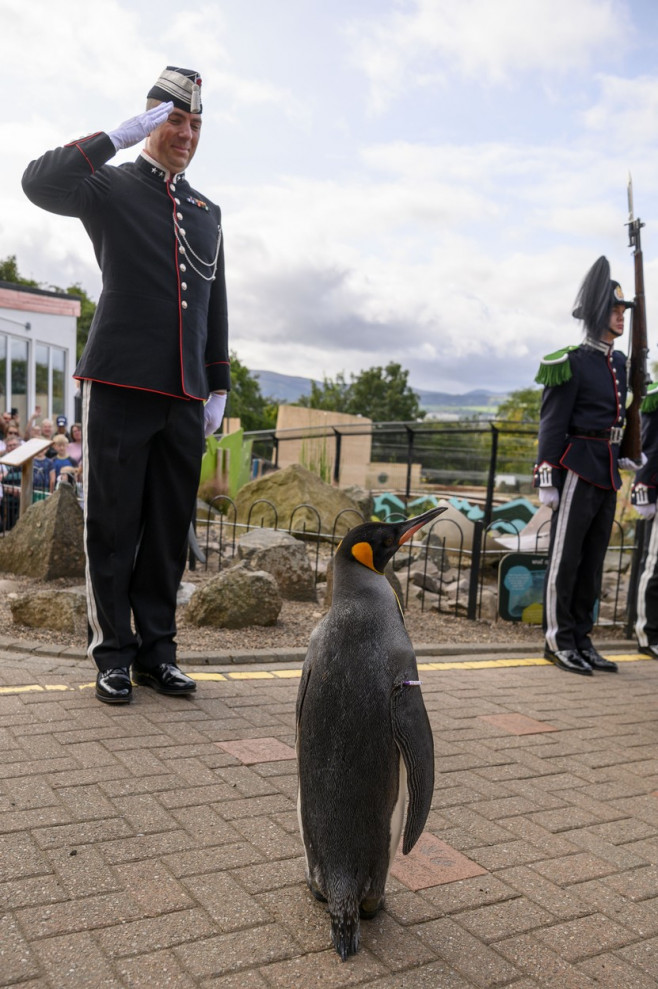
(133, 131)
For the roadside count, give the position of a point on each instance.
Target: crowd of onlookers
(62, 458)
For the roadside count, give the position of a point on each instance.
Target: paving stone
(585, 936)
(573, 868)
(502, 920)
(153, 887)
(142, 936)
(20, 857)
(191, 862)
(74, 960)
(517, 724)
(74, 916)
(242, 949)
(323, 968)
(561, 902)
(253, 750)
(17, 962)
(159, 969)
(432, 862)
(224, 900)
(535, 959)
(610, 972)
(642, 955)
(465, 953)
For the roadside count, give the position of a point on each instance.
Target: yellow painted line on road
(295, 674)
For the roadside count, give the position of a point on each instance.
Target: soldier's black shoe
(114, 686)
(165, 678)
(569, 660)
(597, 661)
(650, 650)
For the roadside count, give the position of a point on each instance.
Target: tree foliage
(246, 401)
(380, 393)
(521, 406)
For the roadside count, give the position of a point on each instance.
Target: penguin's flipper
(413, 737)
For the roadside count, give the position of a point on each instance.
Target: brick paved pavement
(156, 845)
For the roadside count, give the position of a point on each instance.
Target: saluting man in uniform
(644, 495)
(577, 471)
(154, 373)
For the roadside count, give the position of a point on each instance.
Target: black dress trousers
(141, 462)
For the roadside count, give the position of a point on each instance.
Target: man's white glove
(646, 511)
(625, 463)
(550, 497)
(137, 128)
(213, 413)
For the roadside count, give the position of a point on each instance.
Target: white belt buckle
(616, 434)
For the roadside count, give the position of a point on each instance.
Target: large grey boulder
(287, 489)
(283, 556)
(59, 610)
(236, 598)
(47, 541)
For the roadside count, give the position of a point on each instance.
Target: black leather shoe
(597, 661)
(114, 686)
(569, 660)
(165, 678)
(650, 650)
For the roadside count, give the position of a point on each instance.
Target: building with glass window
(37, 351)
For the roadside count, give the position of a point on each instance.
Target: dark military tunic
(161, 323)
(582, 419)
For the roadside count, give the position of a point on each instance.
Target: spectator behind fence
(42, 468)
(11, 485)
(47, 430)
(61, 458)
(75, 446)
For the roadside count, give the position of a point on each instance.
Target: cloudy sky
(419, 181)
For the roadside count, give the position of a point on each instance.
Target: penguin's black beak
(411, 526)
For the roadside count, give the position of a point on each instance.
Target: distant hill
(286, 388)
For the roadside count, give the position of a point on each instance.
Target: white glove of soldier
(213, 412)
(646, 511)
(625, 463)
(137, 128)
(550, 497)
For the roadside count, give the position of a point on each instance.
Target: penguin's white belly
(397, 817)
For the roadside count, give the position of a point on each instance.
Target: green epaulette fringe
(555, 369)
(650, 402)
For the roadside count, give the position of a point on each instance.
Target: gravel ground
(293, 628)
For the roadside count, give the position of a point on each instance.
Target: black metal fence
(472, 567)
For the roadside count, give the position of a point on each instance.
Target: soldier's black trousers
(646, 624)
(141, 462)
(580, 532)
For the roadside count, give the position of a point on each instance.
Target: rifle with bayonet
(638, 379)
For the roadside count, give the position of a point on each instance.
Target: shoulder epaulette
(650, 402)
(555, 368)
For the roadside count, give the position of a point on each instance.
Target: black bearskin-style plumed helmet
(596, 298)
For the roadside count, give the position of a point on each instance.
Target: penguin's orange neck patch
(363, 553)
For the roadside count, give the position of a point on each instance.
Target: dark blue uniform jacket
(159, 325)
(591, 402)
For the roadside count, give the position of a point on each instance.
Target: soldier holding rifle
(577, 472)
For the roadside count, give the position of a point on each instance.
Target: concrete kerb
(459, 652)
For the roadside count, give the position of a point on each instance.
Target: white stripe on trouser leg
(564, 508)
(92, 614)
(647, 574)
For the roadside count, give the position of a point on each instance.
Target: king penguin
(363, 735)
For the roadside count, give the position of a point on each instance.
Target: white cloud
(425, 42)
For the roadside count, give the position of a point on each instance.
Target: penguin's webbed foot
(315, 890)
(370, 907)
